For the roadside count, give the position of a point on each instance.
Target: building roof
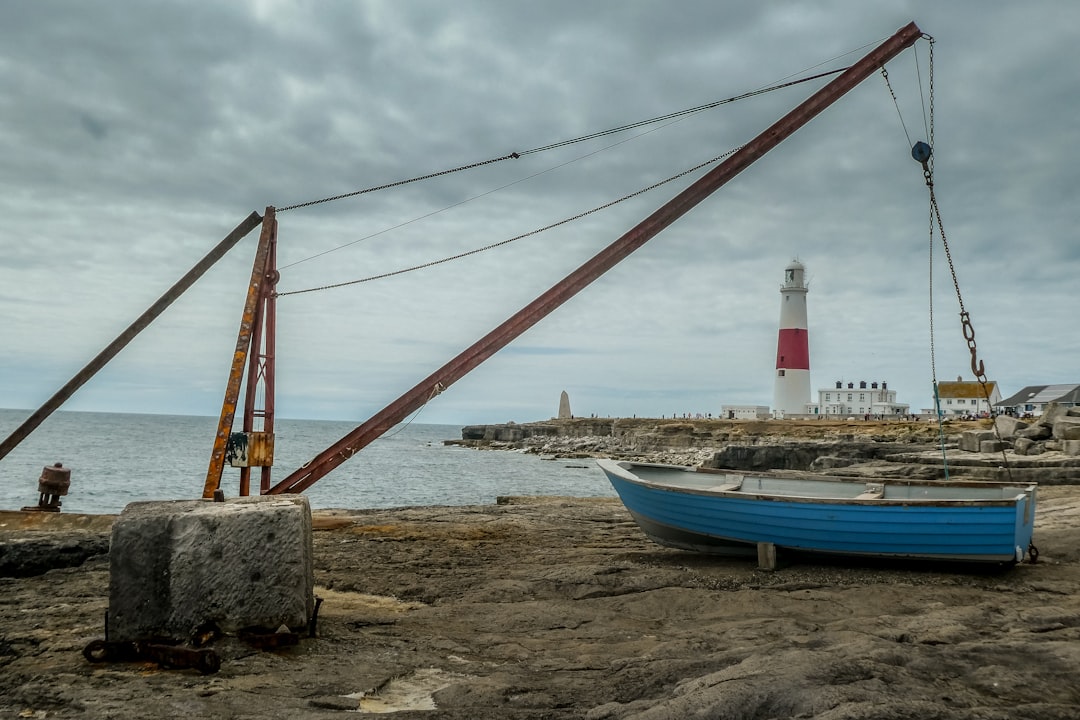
(965, 389)
(1042, 394)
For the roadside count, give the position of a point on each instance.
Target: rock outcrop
(1056, 431)
(562, 609)
(969, 450)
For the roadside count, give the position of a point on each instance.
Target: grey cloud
(136, 134)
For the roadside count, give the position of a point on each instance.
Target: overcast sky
(136, 135)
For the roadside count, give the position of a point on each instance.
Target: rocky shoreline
(972, 449)
(559, 608)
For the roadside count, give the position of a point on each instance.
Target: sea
(116, 459)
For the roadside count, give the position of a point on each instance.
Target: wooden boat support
(528, 316)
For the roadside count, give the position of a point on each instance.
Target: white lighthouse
(791, 392)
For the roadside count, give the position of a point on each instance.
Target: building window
(780, 373)
(849, 397)
(827, 398)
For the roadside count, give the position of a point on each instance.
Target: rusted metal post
(607, 258)
(269, 356)
(261, 368)
(243, 344)
(140, 324)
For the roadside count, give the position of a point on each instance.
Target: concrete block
(1067, 429)
(971, 440)
(176, 565)
(1070, 447)
(1008, 425)
(990, 446)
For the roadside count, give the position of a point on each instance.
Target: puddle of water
(413, 692)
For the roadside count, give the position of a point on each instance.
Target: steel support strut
(243, 345)
(528, 316)
(140, 324)
(261, 366)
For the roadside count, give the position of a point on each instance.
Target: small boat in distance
(731, 513)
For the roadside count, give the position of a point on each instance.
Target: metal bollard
(52, 485)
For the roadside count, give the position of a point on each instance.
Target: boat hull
(705, 512)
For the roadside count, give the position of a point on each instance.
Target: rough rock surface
(1054, 431)
(892, 448)
(178, 564)
(560, 608)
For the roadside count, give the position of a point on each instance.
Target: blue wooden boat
(731, 513)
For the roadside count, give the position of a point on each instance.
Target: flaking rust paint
(243, 344)
(260, 449)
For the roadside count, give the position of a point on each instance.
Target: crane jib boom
(603, 261)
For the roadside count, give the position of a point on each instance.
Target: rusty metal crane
(255, 340)
(648, 228)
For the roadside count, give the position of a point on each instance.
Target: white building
(1034, 399)
(966, 397)
(745, 412)
(851, 401)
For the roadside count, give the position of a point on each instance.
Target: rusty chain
(923, 153)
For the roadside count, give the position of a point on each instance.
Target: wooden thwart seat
(873, 491)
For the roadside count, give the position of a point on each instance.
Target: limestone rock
(1067, 428)
(971, 440)
(1052, 414)
(176, 565)
(1007, 425)
(39, 553)
(1035, 448)
(1037, 431)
